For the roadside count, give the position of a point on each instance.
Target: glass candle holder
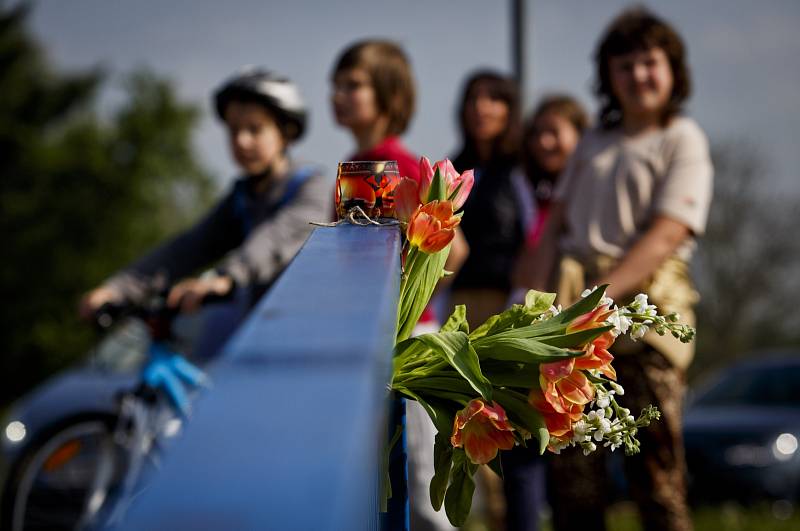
(369, 185)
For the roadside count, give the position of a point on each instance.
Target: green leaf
(457, 350)
(519, 411)
(409, 348)
(505, 374)
(538, 301)
(458, 499)
(453, 390)
(438, 189)
(544, 440)
(585, 305)
(386, 482)
(416, 290)
(520, 350)
(406, 352)
(575, 339)
(518, 316)
(442, 463)
(457, 321)
(548, 327)
(441, 417)
(484, 328)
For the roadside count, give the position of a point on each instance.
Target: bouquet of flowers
(532, 375)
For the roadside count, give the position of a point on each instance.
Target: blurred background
(105, 115)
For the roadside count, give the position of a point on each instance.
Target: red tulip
(458, 185)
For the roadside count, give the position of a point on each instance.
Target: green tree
(80, 196)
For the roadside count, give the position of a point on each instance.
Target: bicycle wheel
(64, 482)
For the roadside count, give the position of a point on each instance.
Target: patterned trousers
(656, 478)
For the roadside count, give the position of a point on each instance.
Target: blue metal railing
(293, 430)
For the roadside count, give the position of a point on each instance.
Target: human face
(256, 141)
(552, 141)
(642, 81)
(355, 104)
(485, 117)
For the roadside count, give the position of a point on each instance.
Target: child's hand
(93, 300)
(188, 294)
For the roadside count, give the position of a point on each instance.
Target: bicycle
(84, 473)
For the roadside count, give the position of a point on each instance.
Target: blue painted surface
(291, 433)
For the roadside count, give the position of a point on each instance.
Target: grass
(778, 516)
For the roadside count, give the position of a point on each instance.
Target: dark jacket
(249, 236)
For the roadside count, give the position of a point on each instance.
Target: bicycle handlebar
(166, 370)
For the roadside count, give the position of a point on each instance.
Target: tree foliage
(746, 266)
(80, 195)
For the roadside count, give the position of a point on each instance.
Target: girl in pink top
(373, 97)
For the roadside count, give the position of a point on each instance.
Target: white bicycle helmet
(276, 93)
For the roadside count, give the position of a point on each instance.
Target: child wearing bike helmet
(254, 231)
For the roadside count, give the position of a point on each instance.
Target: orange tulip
(432, 226)
(482, 430)
(594, 319)
(564, 386)
(559, 424)
(597, 355)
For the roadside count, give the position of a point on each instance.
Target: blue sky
(745, 58)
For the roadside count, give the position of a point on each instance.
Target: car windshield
(759, 386)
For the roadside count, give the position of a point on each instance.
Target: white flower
(605, 425)
(604, 301)
(585, 293)
(620, 322)
(595, 415)
(589, 448)
(641, 303)
(598, 435)
(580, 430)
(618, 389)
(638, 331)
(603, 401)
(558, 445)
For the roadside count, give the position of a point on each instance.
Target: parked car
(742, 432)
